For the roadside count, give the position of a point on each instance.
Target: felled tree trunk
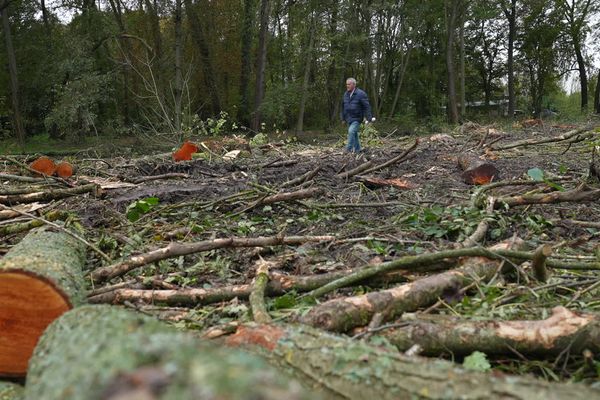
(343, 314)
(10, 391)
(563, 330)
(354, 370)
(40, 278)
(476, 171)
(104, 352)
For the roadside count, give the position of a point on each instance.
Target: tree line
(80, 67)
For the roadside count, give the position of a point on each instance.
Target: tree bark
(343, 314)
(261, 63)
(49, 194)
(354, 370)
(10, 391)
(105, 352)
(563, 330)
(17, 119)
(580, 194)
(40, 278)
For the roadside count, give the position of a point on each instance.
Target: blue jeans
(353, 142)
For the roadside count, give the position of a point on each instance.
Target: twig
(538, 263)
(62, 229)
(395, 159)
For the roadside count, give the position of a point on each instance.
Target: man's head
(350, 84)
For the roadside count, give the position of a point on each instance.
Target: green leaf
(477, 361)
(133, 215)
(285, 301)
(536, 174)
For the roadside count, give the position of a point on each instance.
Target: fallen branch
(355, 171)
(34, 223)
(257, 296)
(354, 370)
(343, 314)
(50, 194)
(157, 177)
(580, 194)
(479, 234)
(281, 197)
(278, 284)
(563, 330)
(180, 249)
(302, 178)
(394, 160)
(531, 142)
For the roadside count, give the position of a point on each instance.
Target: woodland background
(177, 67)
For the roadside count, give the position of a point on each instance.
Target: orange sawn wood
(43, 165)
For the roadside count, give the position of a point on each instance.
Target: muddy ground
(372, 224)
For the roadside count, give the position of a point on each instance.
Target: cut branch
(531, 142)
(563, 330)
(342, 314)
(580, 194)
(49, 195)
(181, 249)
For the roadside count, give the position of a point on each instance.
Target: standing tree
(452, 18)
(14, 76)
(575, 14)
(510, 11)
(261, 62)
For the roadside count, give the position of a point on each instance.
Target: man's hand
(373, 119)
(343, 122)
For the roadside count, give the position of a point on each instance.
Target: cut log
(476, 171)
(354, 370)
(40, 278)
(10, 391)
(343, 314)
(563, 331)
(104, 352)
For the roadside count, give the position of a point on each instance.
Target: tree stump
(476, 171)
(40, 278)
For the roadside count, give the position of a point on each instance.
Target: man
(355, 108)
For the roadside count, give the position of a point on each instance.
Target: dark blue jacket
(355, 106)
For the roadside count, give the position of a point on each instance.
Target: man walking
(355, 108)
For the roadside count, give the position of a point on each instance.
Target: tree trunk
(261, 63)
(208, 72)
(451, 16)
(597, 95)
(401, 73)
(563, 331)
(511, 16)
(178, 89)
(246, 61)
(40, 278)
(104, 352)
(351, 369)
(463, 96)
(582, 75)
(17, 120)
(305, 81)
(343, 314)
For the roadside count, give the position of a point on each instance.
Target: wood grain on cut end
(28, 304)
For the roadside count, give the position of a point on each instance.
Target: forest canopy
(117, 67)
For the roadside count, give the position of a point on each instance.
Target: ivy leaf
(477, 361)
(536, 174)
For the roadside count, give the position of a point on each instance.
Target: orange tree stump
(40, 278)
